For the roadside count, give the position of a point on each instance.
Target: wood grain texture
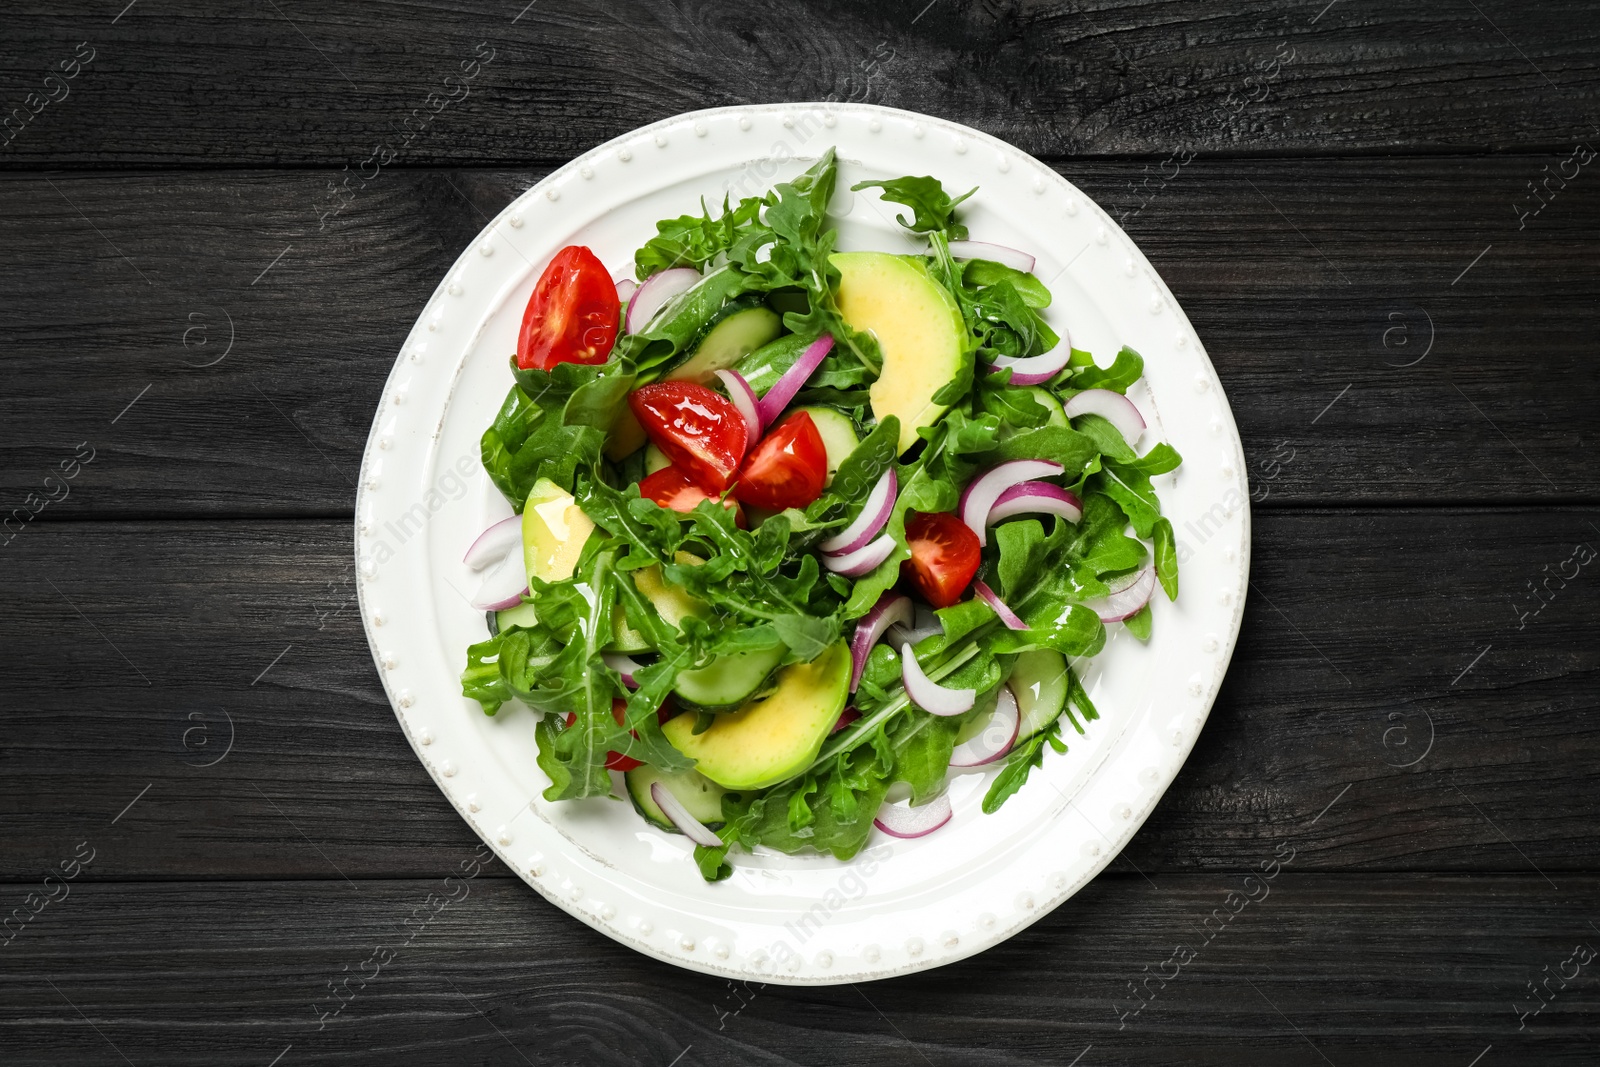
(1309, 281)
(296, 82)
(133, 646)
(1413, 970)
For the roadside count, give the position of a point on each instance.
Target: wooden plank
(326, 83)
(1430, 971)
(1397, 701)
(1302, 277)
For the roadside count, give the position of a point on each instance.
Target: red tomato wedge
(787, 469)
(944, 556)
(573, 315)
(670, 488)
(616, 761)
(700, 431)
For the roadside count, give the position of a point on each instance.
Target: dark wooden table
(1382, 219)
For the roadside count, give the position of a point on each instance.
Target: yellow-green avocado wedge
(919, 330)
(775, 737)
(554, 530)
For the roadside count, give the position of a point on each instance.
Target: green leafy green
(1166, 554)
(933, 211)
(981, 272)
(695, 240)
(1126, 369)
(1140, 623)
(1022, 760)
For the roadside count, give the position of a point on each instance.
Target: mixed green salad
(800, 531)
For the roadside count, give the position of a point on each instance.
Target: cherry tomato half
(787, 469)
(700, 431)
(573, 315)
(670, 488)
(616, 761)
(944, 556)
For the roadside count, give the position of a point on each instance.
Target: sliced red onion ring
(874, 513)
(493, 544)
(503, 587)
(744, 398)
(982, 492)
(997, 737)
(626, 287)
(1036, 497)
(777, 398)
(654, 293)
(929, 695)
(679, 816)
(891, 608)
(904, 821)
(1127, 598)
(1115, 408)
(991, 598)
(623, 665)
(1036, 370)
(846, 717)
(855, 564)
(1001, 254)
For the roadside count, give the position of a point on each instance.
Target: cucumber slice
(521, 615)
(655, 459)
(730, 680)
(1039, 681)
(1045, 397)
(838, 435)
(763, 367)
(734, 336)
(699, 794)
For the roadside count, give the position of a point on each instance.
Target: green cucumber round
(698, 794)
(729, 681)
(1039, 682)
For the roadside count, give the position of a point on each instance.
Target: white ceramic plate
(901, 906)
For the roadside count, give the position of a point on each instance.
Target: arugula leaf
(1166, 554)
(931, 207)
(1134, 494)
(1126, 369)
(1019, 544)
(981, 272)
(1023, 759)
(923, 745)
(713, 862)
(1005, 325)
(1140, 624)
(1106, 437)
(1073, 450)
(1159, 460)
(695, 240)
(838, 828)
(553, 425)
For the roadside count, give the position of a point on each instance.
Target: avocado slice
(776, 737)
(919, 330)
(672, 602)
(554, 529)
